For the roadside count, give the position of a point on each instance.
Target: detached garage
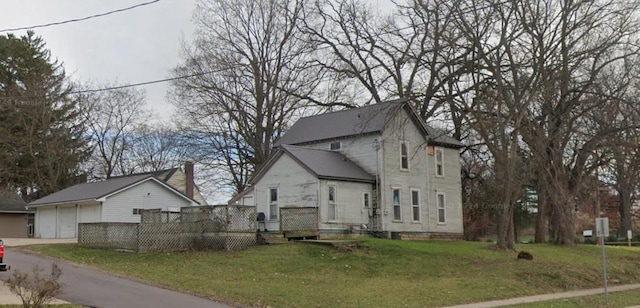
(14, 217)
(115, 200)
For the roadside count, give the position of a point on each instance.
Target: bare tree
(555, 53)
(413, 52)
(157, 147)
(112, 117)
(252, 74)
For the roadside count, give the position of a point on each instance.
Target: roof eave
(346, 179)
(59, 203)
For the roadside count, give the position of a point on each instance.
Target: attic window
(335, 146)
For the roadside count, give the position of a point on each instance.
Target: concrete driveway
(13, 242)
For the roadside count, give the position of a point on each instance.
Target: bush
(36, 289)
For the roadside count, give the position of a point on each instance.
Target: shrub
(36, 289)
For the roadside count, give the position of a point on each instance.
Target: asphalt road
(92, 288)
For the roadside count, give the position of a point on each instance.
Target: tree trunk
(541, 217)
(625, 211)
(563, 218)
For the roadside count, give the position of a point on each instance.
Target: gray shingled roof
(91, 191)
(364, 120)
(357, 121)
(328, 164)
(11, 202)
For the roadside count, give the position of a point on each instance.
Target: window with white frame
(441, 200)
(137, 211)
(404, 156)
(439, 162)
(366, 199)
(332, 203)
(335, 146)
(415, 205)
(396, 204)
(273, 203)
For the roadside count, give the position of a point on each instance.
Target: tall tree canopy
(41, 132)
(252, 72)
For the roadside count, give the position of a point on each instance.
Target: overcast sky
(137, 45)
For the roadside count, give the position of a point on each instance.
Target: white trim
(441, 151)
(330, 204)
(368, 199)
(270, 203)
(411, 190)
(406, 145)
(151, 178)
(438, 208)
(393, 205)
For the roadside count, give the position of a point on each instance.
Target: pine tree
(42, 141)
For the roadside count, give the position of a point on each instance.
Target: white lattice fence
(108, 235)
(194, 228)
(298, 219)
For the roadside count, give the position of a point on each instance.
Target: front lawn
(383, 273)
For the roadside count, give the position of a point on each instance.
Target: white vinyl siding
(397, 202)
(415, 205)
(439, 162)
(442, 208)
(145, 195)
(331, 201)
(89, 213)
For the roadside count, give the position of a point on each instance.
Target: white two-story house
(376, 168)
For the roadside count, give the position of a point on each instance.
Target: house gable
(149, 194)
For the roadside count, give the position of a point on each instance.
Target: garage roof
(11, 202)
(97, 190)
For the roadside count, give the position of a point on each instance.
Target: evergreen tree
(41, 132)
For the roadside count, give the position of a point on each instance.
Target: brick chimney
(188, 170)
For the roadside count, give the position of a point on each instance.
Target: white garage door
(46, 223)
(67, 222)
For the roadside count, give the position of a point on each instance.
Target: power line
(78, 19)
(144, 83)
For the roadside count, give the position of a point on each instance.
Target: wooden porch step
(272, 238)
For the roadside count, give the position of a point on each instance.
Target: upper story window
(404, 156)
(335, 146)
(439, 162)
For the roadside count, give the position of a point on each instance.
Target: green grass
(385, 273)
(616, 300)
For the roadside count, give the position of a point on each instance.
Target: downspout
(428, 189)
(376, 146)
(383, 182)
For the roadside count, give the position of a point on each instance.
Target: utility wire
(78, 19)
(144, 83)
